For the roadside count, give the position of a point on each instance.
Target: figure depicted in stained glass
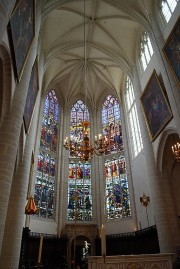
(122, 165)
(52, 168)
(79, 171)
(106, 170)
(111, 121)
(117, 193)
(114, 169)
(45, 177)
(40, 163)
(79, 178)
(119, 139)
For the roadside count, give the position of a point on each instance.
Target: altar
(143, 261)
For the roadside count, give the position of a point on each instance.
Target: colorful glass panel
(44, 186)
(79, 113)
(111, 121)
(49, 129)
(79, 179)
(117, 193)
(45, 174)
(79, 191)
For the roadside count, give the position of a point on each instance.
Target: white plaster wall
(42, 226)
(141, 185)
(120, 226)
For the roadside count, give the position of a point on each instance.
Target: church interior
(89, 134)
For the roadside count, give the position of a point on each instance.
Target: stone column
(6, 8)
(11, 246)
(98, 173)
(161, 198)
(9, 141)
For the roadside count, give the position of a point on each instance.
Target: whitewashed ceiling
(111, 32)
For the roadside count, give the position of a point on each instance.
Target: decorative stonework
(89, 231)
(146, 261)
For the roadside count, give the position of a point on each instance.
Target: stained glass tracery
(79, 191)
(79, 179)
(50, 123)
(46, 163)
(111, 122)
(79, 113)
(117, 192)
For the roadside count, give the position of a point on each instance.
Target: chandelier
(176, 151)
(84, 149)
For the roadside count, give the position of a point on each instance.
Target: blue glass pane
(117, 193)
(79, 113)
(50, 119)
(111, 123)
(79, 192)
(45, 175)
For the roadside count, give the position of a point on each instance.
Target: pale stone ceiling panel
(111, 29)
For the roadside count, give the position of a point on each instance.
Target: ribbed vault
(111, 31)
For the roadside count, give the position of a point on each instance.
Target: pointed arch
(117, 191)
(79, 177)
(47, 157)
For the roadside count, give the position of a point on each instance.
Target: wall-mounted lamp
(176, 151)
(145, 200)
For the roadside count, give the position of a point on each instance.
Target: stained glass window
(79, 191)
(49, 123)
(79, 179)
(46, 164)
(79, 113)
(111, 122)
(117, 193)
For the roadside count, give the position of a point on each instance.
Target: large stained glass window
(79, 113)
(79, 179)
(46, 164)
(117, 192)
(79, 191)
(111, 122)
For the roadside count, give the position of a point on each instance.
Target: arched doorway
(171, 171)
(80, 250)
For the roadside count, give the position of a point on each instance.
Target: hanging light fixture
(176, 151)
(30, 208)
(84, 149)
